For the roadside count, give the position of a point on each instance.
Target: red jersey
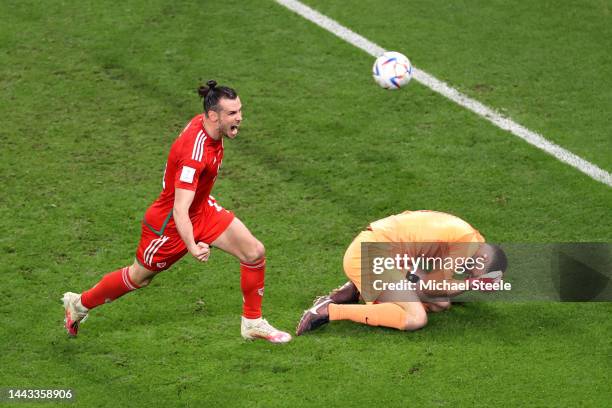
(193, 163)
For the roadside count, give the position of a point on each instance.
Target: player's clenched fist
(200, 251)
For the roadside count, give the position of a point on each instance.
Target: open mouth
(234, 130)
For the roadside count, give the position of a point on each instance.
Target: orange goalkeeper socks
(383, 314)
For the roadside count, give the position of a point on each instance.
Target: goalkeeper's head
(493, 257)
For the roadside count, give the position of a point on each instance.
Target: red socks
(116, 284)
(252, 285)
(112, 286)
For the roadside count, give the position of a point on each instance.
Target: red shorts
(158, 252)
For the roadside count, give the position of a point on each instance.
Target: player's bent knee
(143, 282)
(415, 321)
(255, 252)
(141, 276)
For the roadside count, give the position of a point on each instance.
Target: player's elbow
(178, 212)
(415, 321)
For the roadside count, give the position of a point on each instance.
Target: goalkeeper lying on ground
(425, 234)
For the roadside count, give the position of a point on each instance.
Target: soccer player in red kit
(186, 218)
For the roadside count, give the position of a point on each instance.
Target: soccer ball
(392, 70)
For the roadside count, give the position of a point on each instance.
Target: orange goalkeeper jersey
(423, 229)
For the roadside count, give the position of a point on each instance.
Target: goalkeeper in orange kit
(430, 234)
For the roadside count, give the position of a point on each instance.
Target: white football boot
(252, 329)
(75, 312)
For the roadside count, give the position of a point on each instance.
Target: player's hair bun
(204, 90)
(212, 94)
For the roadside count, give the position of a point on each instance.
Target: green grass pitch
(94, 92)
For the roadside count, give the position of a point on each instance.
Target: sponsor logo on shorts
(260, 291)
(161, 264)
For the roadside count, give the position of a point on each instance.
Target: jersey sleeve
(188, 173)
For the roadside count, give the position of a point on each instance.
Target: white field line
(451, 93)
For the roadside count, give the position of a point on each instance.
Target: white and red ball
(392, 70)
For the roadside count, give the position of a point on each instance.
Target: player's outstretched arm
(182, 201)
